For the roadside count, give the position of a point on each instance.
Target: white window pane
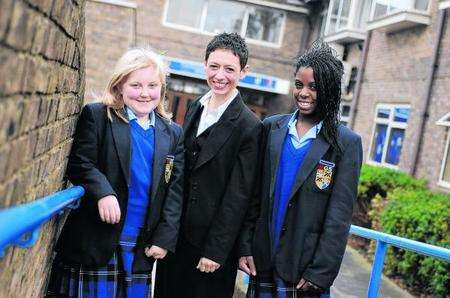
(345, 8)
(264, 24)
(380, 9)
(401, 114)
(395, 146)
(446, 173)
(383, 113)
(378, 142)
(224, 16)
(185, 12)
(421, 5)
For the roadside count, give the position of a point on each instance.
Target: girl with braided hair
(296, 231)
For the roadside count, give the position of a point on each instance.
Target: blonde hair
(131, 60)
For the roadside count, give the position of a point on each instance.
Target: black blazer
(221, 181)
(100, 162)
(317, 219)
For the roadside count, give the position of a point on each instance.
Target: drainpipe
(362, 67)
(423, 109)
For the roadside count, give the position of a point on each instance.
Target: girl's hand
(156, 252)
(109, 210)
(247, 265)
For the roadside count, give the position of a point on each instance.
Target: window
(389, 133)
(344, 113)
(444, 177)
(255, 23)
(346, 20)
(381, 8)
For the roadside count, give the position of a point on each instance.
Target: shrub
(423, 216)
(377, 182)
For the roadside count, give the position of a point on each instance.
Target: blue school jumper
(269, 284)
(141, 166)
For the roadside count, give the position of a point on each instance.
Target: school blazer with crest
(100, 162)
(318, 216)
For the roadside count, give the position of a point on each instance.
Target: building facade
(396, 57)
(400, 101)
(276, 31)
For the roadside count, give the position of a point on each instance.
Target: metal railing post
(377, 270)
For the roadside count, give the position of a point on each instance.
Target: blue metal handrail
(383, 241)
(20, 225)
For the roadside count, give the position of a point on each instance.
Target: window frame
(204, 13)
(389, 13)
(444, 121)
(390, 125)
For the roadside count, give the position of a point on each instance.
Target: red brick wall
(41, 92)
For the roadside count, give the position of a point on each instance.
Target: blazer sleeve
(228, 220)
(166, 232)
(332, 242)
(82, 167)
(254, 209)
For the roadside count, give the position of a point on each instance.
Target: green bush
(423, 216)
(377, 182)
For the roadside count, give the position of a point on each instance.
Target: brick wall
(109, 33)
(41, 92)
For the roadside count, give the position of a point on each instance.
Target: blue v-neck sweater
(141, 166)
(291, 160)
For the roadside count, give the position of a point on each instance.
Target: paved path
(351, 282)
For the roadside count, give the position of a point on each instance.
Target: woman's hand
(156, 252)
(307, 286)
(206, 265)
(109, 210)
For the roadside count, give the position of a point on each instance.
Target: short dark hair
(328, 71)
(229, 41)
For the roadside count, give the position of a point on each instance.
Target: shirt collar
(147, 124)
(310, 134)
(204, 101)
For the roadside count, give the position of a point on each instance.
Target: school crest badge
(324, 174)
(168, 168)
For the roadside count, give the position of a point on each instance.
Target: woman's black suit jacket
(317, 220)
(100, 162)
(220, 184)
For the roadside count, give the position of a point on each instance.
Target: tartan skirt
(114, 280)
(270, 285)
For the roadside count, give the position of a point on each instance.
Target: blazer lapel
(189, 118)
(221, 132)
(276, 146)
(318, 148)
(121, 135)
(162, 146)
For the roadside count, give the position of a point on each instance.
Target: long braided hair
(328, 71)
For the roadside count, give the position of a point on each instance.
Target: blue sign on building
(252, 80)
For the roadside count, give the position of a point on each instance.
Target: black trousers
(177, 276)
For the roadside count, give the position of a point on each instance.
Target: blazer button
(284, 229)
(290, 205)
(194, 199)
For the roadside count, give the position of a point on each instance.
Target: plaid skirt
(114, 280)
(270, 285)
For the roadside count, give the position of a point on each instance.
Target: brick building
(276, 31)
(41, 92)
(400, 92)
(393, 96)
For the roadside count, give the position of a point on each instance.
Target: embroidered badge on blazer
(168, 167)
(324, 174)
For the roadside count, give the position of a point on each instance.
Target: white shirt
(146, 124)
(310, 134)
(210, 116)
